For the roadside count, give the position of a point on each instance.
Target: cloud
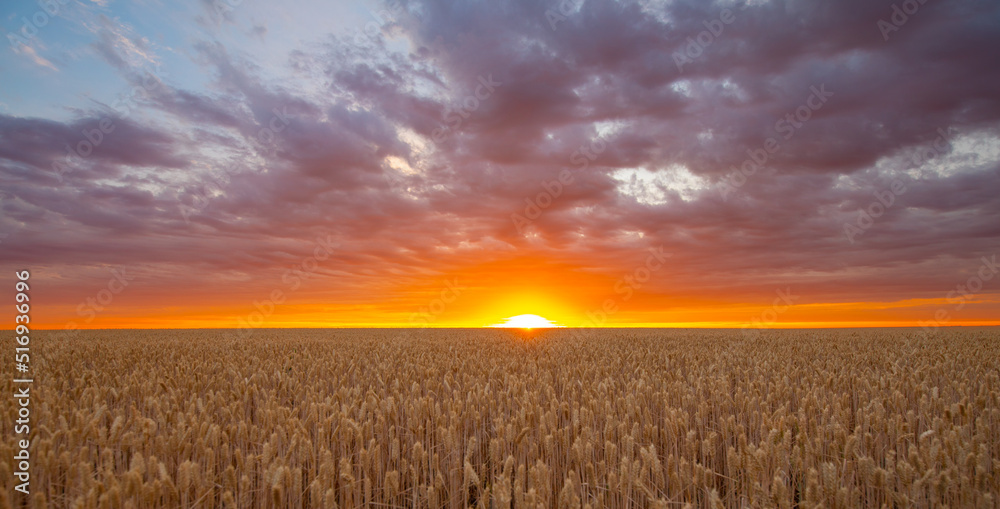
(35, 57)
(243, 173)
(259, 31)
(120, 46)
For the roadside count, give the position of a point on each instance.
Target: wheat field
(493, 418)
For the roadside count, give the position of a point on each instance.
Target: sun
(526, 322)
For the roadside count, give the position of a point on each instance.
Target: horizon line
(473, 327)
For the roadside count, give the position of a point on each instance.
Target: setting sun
(527, 322)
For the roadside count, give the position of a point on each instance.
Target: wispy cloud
(38, 60)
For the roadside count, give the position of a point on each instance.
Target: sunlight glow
(527, 322)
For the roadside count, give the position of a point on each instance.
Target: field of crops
(490, 418)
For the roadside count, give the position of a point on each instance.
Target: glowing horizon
(446, 166)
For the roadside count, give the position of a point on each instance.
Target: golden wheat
(489, 418)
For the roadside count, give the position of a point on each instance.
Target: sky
(755, 164)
